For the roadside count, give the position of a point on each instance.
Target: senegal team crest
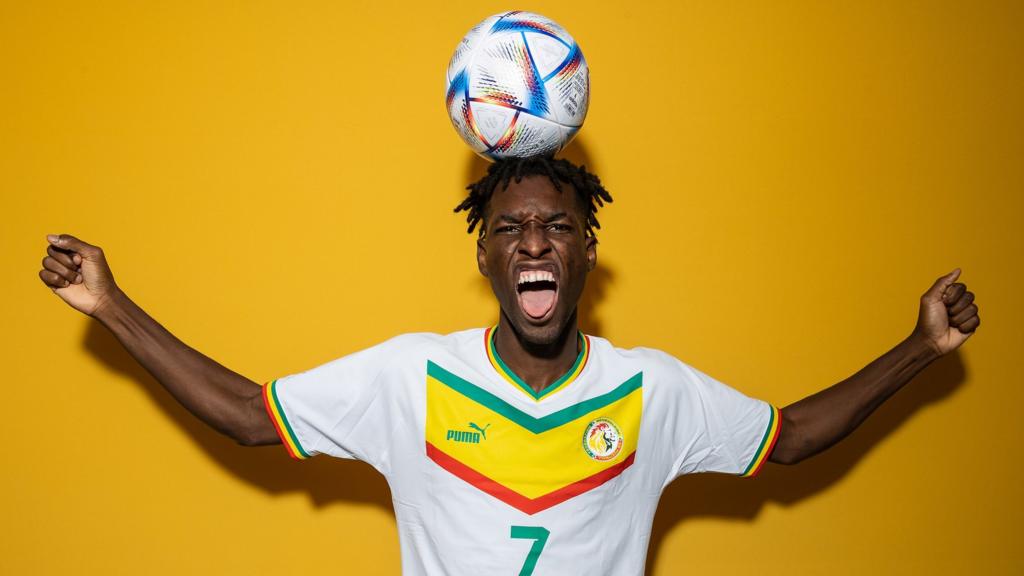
(602, 439)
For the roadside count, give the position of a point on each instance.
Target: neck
(537, 364)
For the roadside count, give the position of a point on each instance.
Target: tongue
(536, 303)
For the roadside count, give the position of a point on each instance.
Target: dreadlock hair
(560, 171)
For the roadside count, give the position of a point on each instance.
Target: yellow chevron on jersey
(508, 453)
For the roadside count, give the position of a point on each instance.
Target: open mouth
(538, 292)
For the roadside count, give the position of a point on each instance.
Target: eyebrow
(513, 219)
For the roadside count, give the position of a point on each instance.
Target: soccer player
(527, 447)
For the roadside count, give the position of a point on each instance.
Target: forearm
(819, 421)
(227, 401)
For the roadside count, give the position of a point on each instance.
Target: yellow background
(274, 182)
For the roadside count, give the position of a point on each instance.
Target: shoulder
(414, 344)
(641, 356)
(431, 340)
(660, 369)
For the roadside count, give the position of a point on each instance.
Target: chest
(529, 456)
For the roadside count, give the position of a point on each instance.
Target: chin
(541, 335)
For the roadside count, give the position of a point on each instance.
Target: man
(528, 447)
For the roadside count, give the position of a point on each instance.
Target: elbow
(253, 432)
(242, 434)
(253, 425)
(255, 428)
(785, 457)
(247, 439)
(254, 436)
(793, 446)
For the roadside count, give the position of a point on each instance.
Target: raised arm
(230, 403)
(947, 318)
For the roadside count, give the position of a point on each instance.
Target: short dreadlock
(587, 186)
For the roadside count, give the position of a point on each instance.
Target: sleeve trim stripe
(284, 429)
(771, 435)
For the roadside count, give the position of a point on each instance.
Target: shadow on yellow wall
(326, 480)
(715, 495)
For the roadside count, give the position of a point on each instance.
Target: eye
(559, 227)
(508, 229)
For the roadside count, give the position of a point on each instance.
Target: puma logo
(468, 437)
(482, 431)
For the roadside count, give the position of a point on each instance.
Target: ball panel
(503, 72)
(461, 115)
(530, 22)
(468, 44)
(548, 53)
(526, 136)
(492, 121)
(570, 86)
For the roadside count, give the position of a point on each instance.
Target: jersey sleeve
(722, 430)
(339, 408)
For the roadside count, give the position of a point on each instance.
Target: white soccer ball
(518, 85)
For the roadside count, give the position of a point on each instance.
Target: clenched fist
(948, 315)
(78, 273)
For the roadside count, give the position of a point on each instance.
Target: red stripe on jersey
(517, 500)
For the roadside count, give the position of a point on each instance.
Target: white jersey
(490, 477)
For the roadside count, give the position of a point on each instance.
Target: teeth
(535, 276)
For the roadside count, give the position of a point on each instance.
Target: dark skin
(227, 401)
(528, 225)
(532, 226)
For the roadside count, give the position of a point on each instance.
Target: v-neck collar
(512, 378)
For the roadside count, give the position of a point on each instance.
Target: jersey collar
(512, 378)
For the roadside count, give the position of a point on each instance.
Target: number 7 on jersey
(540, 538)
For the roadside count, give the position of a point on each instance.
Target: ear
(481, 256)
(591, 252)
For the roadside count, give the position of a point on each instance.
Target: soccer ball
(517, 86)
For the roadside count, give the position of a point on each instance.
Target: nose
(535, 242)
